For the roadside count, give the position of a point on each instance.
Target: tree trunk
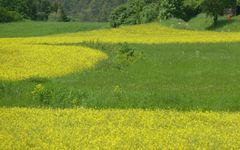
(215, 19)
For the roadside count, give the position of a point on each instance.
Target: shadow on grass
(220, 24)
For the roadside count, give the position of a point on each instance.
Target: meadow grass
(37, 28)
(179, 76)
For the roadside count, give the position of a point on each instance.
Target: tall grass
(179, 76)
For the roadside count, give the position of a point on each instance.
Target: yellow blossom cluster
(78, 128)
(145, 34)
(20, 61)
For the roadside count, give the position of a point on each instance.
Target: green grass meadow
(37, 28)
(168, 76)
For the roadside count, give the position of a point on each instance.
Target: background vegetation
(124, 11)
(144, 11)
(61, 10)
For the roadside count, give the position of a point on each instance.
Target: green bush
(9, 16)
(170, 9)
(144, 11)
(59, 97)
(122, 15)
(121, 55)
(149, 13)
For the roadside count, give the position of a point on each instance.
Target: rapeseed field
(38, 56)
(79, 128)
(22, 61)
(85, 128)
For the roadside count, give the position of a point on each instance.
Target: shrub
(59, 97)
(125, 56)
(120, 55)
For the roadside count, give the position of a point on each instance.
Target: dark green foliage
(9, 16)
(59, 15)
(214, 8)
(144, 11)
(35, 9)
(120, 16)
(149, 13)
(89, 10)
(170, 9)
(80, 10)
(29, 9)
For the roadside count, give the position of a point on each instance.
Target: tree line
(144, 11)
(57, 10)
(13, 10)
(116, 11)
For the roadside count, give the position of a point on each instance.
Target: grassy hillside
(34, 28)
(201, 22)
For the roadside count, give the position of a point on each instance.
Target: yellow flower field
(22, 128)
(144, 34)
(79, 128)
(19, 61)
(22, 58)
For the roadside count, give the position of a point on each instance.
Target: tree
(60, 15)
(149, 13)
(9, 16)
(215, 8)
(170, 9)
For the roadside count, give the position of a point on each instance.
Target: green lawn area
(36, 28)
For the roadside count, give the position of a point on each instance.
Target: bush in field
(58, 97)
(9, 16)
(121, 55)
